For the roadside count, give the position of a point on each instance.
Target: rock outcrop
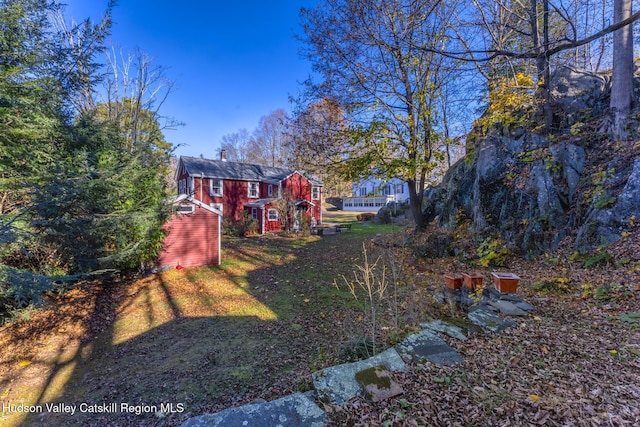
(532, 191)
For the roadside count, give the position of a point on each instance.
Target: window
(254, 213)
(185, 209)
(315, 193)
(270, 190)
(215, 187)
(272, 214)
(253, 190)
(185, 186)
(190, 185)
(399, 189)
(363, 191)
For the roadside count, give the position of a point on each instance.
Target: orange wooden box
(472, 280)
(505, 283)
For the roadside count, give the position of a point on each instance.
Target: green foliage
(366, 216)
(493, 251)
(76, 198)
(357, 349)
(597, 193)
(22, 287)
(239, 228)
(632, 317)
(604, 202)
(600, 257)
(555, 285)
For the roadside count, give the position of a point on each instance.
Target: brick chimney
(223, 155)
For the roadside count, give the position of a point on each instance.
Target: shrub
(239, 228)
(367, 216)
(493, 252)
(305, 222)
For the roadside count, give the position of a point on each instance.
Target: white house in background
(370, 194)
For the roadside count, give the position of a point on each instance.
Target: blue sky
(232, 61)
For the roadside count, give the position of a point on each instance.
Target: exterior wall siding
(192, 240)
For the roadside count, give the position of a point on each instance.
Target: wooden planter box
(472, 280)
(453, 281)
(505, 283)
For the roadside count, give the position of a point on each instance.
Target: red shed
(193, 237)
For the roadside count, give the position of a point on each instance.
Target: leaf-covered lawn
(257, 326)
(206, 337)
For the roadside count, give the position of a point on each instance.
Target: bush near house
(367, 216)
(239, 228)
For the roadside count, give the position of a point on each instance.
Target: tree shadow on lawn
(205, 338)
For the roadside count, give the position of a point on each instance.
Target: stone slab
(507, 308)
(378, 384)
(337, 384)
(426, 345)
(446, 328)
(489, 320)
(510, 297)
(523, 305)
(296, 410)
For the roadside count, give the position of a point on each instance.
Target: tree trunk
(542, 60)
(622, 79)
(415, 202)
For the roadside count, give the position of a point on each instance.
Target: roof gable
(187, 198)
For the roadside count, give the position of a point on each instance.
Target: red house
(193, 235)
(238, 189)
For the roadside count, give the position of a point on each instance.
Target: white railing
(365, 204)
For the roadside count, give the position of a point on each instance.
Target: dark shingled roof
(219, 169)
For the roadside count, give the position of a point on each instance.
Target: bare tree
(236, 146)
(543, 30)
(368, 56)
(135, 90)
(319, 143)
(269, 139)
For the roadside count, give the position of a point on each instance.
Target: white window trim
(270, 211)
(186, 209)
(211, 192)
(315, 192)
(257, 186)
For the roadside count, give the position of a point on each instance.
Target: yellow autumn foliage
(509, 100)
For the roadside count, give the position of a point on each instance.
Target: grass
(207, 337)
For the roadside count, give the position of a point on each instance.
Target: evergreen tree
(76, 195)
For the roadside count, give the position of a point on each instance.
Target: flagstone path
(338, 384)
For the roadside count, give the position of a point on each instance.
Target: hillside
(531, 193)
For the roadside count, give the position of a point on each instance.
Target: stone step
(296, 410)
(427, 345)
(337, 384)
